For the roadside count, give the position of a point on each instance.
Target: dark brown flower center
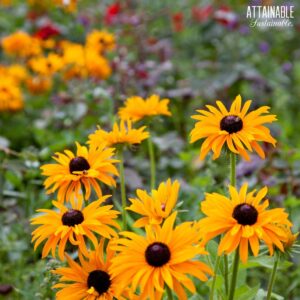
(72, 217)
(245, 214)
(99, 280)
(78, 164)
(231, 124)
(157, 254)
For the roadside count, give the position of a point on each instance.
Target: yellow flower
(119, 135)
(97, 66)
(67, 5)
(73, 225)
(291, 238)
(100, 41)
(71, 172)
(91, 279)
(136, 108)
(163, 256)
(155, 207)
(243, 220)
(5, 2)
(239, 130)
(38, 84)
(11, 98)
(21, 44)
(46, 66)
(74, 60)
(17, 72)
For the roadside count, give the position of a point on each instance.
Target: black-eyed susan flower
(156, 207)
(100, 40)
(164, 256)
(235, 128)
(136, 108)
(244, 221)
(90, 279)
(86, 168)
(123, 134)
(73, 224)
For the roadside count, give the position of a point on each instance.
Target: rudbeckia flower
(155, 207)
(239, 130)
(90, 279)
(83, 169)
(244, 221)
(73, 224)
(163, 256)
(119, 135)
(136, 108)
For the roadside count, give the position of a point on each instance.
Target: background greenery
(163, 47)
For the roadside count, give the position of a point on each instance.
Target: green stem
(123, 191)
(212, 291)
(169, 293)
(272, 278)
(232, 169)
(232, 182)
(226, 273)
(234, 274)
(152, 162)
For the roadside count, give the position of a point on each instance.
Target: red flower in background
(226, 17)
(47, 31)
(202, 14)
(177, 22)
(111, 13)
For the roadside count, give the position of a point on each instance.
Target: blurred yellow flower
(74, 60)
(136, 108)
(100, 41)
(67, 5)
(11, 98)
(46, 66)
(21, 44)
(18, 72)
(38, 84)
(123, 134)
(97, 66)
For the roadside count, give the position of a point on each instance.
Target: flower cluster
(45, 58)
(114, 264)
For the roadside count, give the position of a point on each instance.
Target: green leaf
(245, 292)
(261, 295)
(14, 178)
